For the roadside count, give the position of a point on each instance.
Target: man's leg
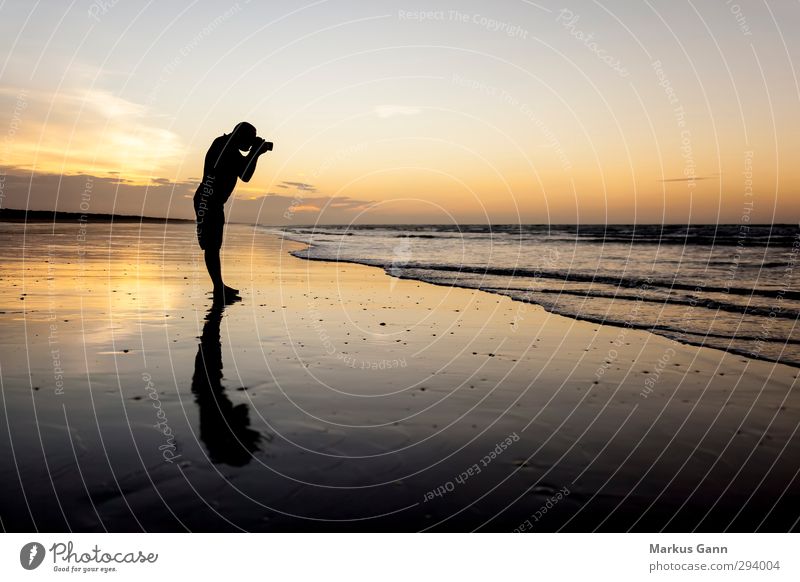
(214, 268)
(210, 233)
(230, 292)
(210, 243)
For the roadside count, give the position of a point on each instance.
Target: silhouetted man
(224, 164)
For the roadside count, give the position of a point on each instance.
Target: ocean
(729, 287)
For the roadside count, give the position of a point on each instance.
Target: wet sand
(334, 397)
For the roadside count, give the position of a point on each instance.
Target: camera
(266, 146)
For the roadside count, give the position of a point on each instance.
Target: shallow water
(730, 287)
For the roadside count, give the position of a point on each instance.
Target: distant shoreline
(20, 215)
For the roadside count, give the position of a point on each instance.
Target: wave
(772, 235)
(745, 304)
(567, 276)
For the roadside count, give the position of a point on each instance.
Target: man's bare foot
(226, 294)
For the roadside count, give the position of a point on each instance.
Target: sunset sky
(424, 112)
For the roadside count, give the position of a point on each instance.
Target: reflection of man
(224, 428)
(224, 164)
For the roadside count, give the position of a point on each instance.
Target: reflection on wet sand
(224, 428)
(359, 442)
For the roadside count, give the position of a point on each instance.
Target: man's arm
(249, 165)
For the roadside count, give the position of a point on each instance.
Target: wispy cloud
(693, 179)
(81, 130)
(395, 110)
(306, 208)
(90, 193)
(298, 186)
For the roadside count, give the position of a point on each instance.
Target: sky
(407, 112)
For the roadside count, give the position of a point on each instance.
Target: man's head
(243, 135)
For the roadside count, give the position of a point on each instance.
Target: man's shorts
(210, 224)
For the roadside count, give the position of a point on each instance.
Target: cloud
(110, 194)
(298, 186)
(273, 209)
(192, 182)
(694, 179)
(394, 110)
(308, 204)
(83, 130)
(306, 208)
(88, 193)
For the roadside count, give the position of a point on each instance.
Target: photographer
(224, 165)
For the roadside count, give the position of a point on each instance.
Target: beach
(335, 397)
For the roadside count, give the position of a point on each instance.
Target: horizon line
(128, 217)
